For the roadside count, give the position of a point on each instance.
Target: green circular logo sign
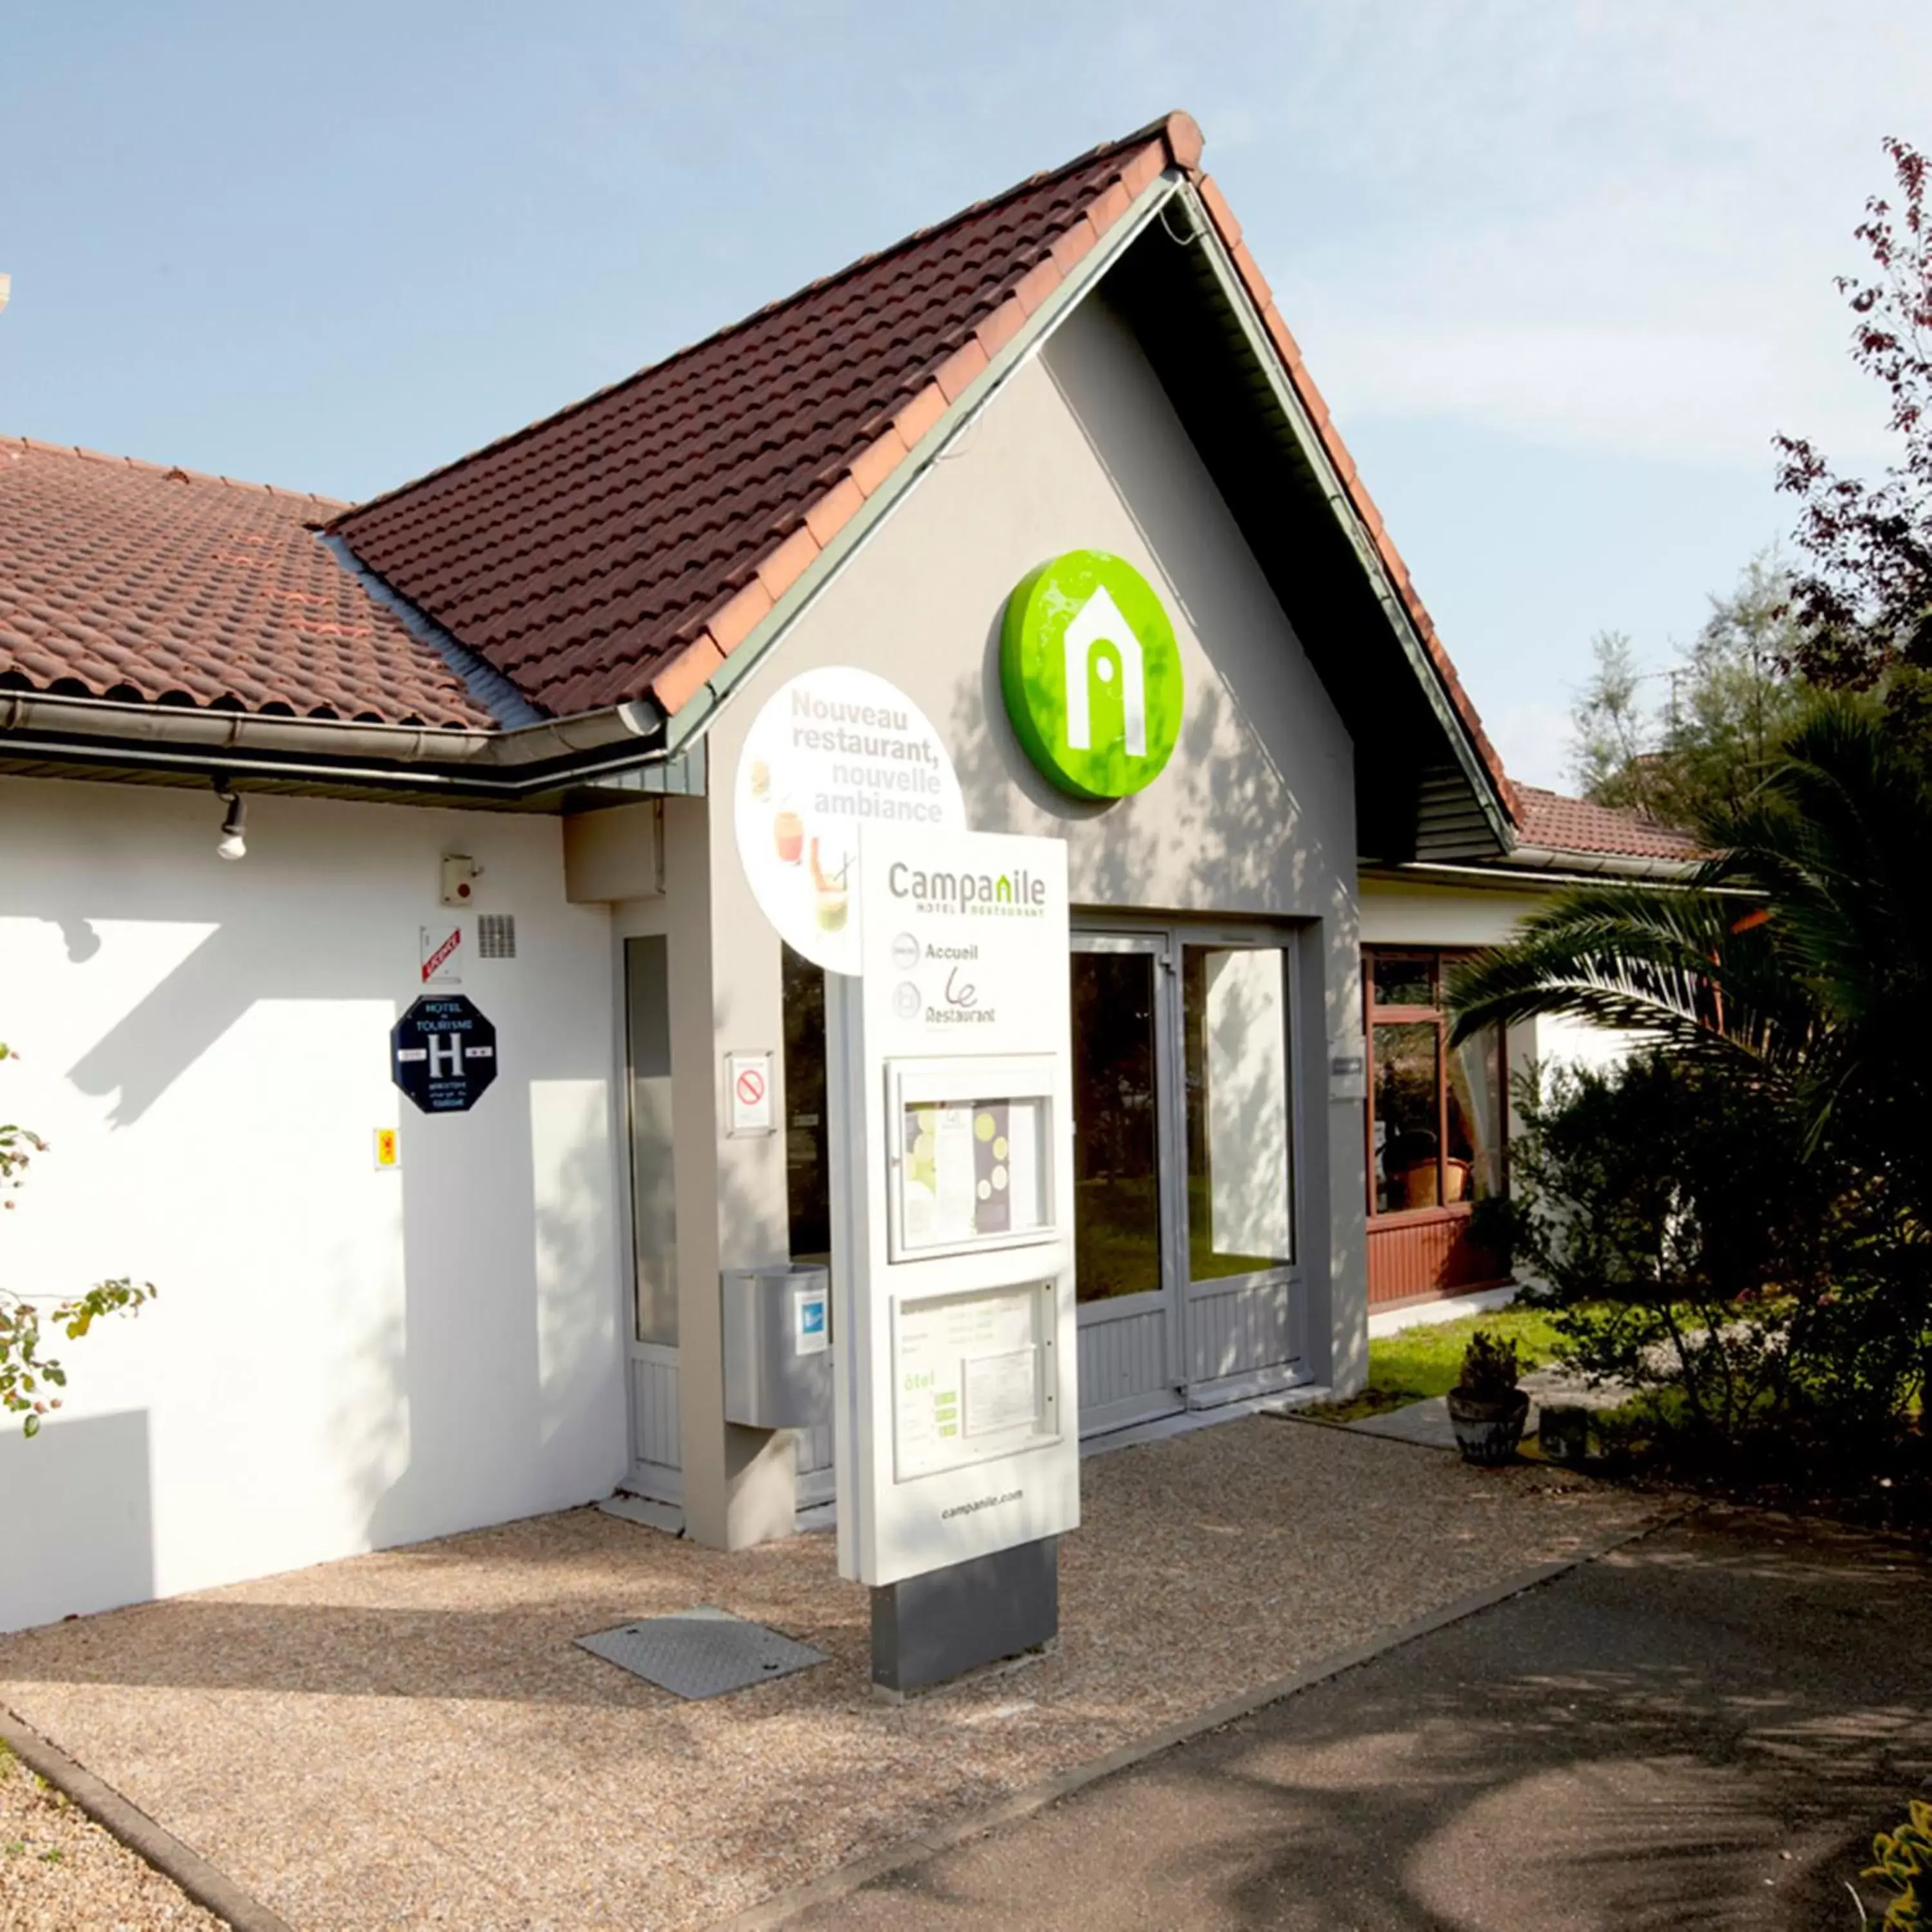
(1091, 674)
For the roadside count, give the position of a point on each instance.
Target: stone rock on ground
(59, 1871)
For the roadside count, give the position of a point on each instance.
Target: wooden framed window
(1438, 1116)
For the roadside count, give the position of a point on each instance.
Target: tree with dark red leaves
(1864, 607)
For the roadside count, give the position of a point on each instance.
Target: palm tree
(1798, 957)
(1792, 976)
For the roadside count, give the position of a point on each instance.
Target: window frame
(1439, 959)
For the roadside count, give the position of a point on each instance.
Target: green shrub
(29, 1378)
(1753, 1201)
(1490, 1367)
(1695, 1242)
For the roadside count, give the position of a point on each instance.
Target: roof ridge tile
(80, 453)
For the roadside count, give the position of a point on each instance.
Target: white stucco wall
(340, 1358)
(1400, 914)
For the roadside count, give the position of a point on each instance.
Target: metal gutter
(1538, 865)
(1621, 864)
(1315, 453)
(532, 758)
(694, 716)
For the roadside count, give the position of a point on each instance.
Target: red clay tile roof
(628, 544)
(624, 546)
(1574, 825)
(121, 579)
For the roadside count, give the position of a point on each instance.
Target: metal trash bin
(778, 1347)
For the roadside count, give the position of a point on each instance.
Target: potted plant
(1487, 1409)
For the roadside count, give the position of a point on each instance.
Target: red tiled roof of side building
(125, 580)
(1550, 820)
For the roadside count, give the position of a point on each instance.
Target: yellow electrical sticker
(388, 1148)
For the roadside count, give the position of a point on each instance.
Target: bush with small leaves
(28, 1377)
(1490, 1367)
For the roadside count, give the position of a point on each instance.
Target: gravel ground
(412, 1739)
(60, 1871)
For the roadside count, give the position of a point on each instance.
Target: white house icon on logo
(1098, 621)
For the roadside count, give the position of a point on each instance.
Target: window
(653, 1203)
(1438, 1114)
(1116, 1111)
(1235, 1014)
(808, 1131)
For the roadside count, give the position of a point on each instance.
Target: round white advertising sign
(831, 751)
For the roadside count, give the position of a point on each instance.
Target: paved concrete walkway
(1427, 1422)
(1701, 1730)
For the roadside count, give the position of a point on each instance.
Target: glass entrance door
(1124, 1228)
(1243, 1298)
(1183, 1115)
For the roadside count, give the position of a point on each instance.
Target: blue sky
(1560, 269)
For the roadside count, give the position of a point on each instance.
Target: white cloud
(1610, 229)
(1651, 387)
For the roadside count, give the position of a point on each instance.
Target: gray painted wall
(1254, 815)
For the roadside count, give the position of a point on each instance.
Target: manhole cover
(701, 1653)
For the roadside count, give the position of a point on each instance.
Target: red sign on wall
(442, 956)
(748, 1092)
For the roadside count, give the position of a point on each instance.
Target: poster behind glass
(972, 1172)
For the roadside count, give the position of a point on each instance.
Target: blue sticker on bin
(811, 1318)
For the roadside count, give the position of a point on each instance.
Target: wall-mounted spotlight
(231, 844)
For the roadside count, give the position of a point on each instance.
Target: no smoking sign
(748, 1092)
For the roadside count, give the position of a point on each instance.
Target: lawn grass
(1425, 1361)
